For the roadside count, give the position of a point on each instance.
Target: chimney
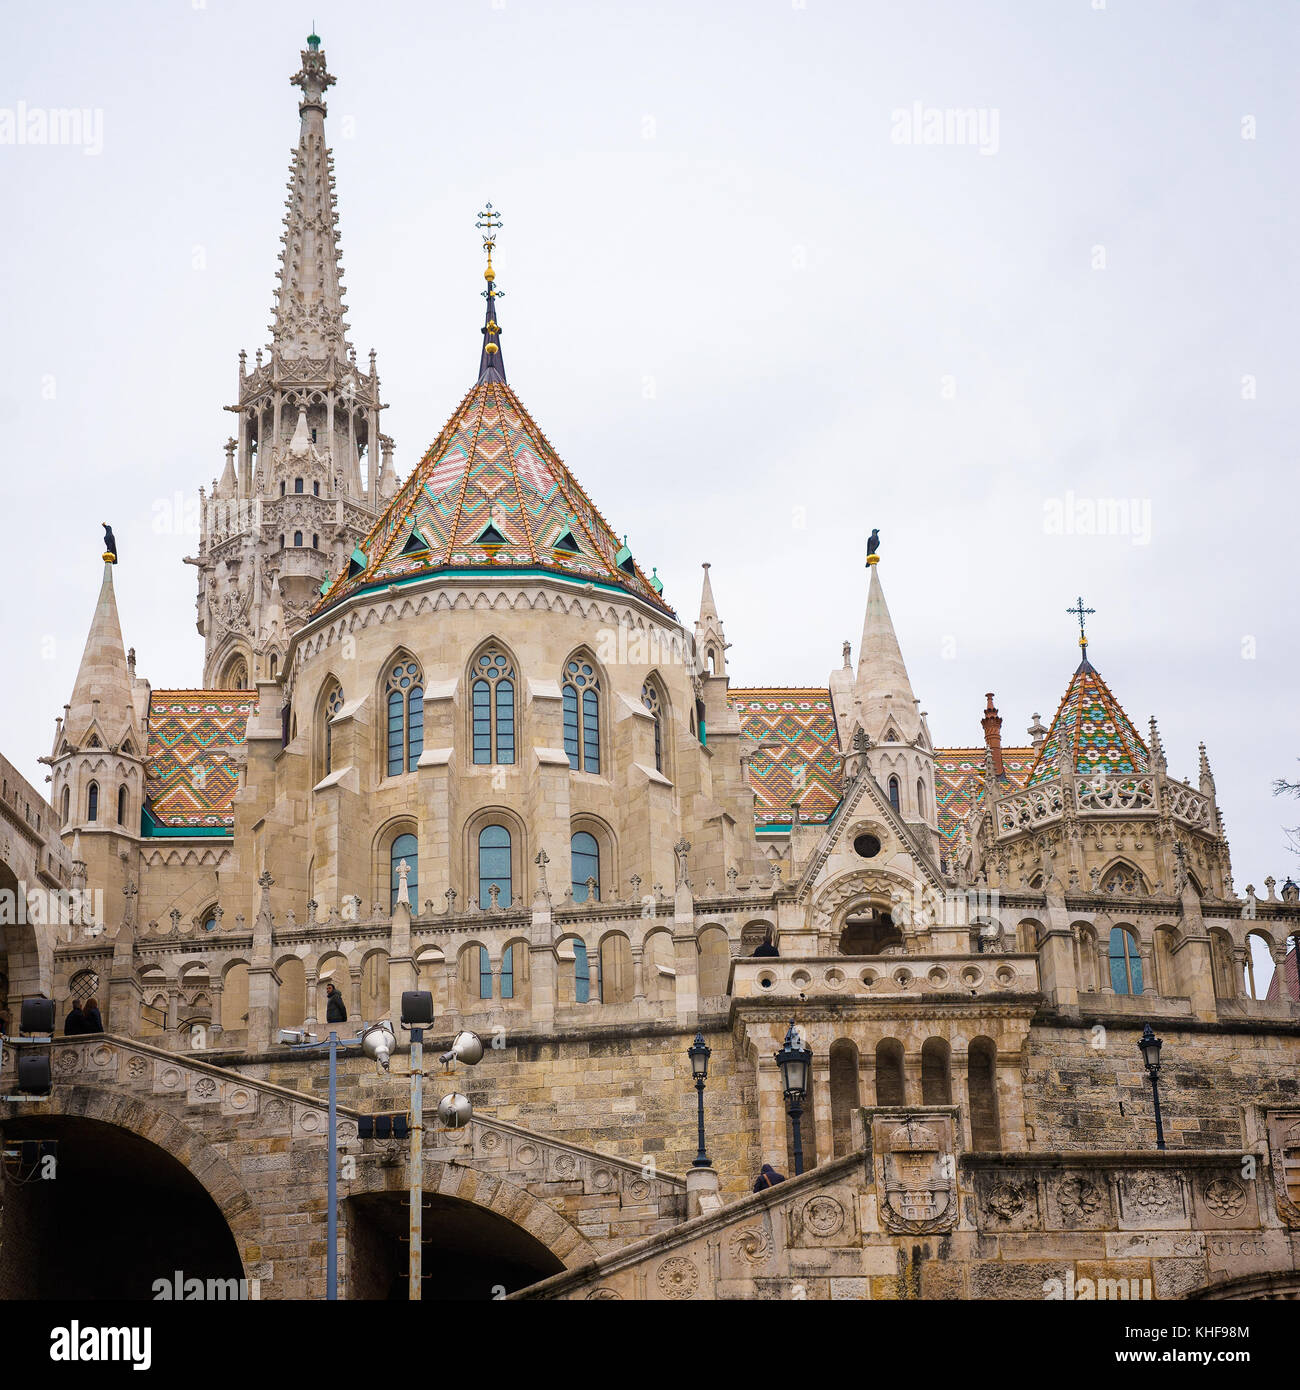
(992, 722)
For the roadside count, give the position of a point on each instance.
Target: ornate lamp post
(1149, 1046)
(699, 1053)
(795, 1061)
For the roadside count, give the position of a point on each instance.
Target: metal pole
(417, 1162)
(795, 1111)
(332, 1237)
(701, 1158)
(1155, 1096)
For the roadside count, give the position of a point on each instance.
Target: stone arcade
(453, 737)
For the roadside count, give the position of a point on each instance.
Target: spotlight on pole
(455, 1111)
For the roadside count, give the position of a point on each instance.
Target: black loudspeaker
(33, 1072)
(417, 1008)
(383, 1126)
(400, 1127)
(365, 1127)
(37, 1016)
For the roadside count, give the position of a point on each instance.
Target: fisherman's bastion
(453, 737)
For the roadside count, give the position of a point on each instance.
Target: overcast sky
(766, 288)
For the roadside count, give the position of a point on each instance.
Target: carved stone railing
(877, 977)
(1100, 796)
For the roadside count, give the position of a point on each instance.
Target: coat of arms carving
(916, 1177)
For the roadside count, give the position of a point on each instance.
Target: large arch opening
(470, 1252)
(118, 1214)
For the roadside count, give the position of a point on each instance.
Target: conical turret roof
(492, 494)
(103, 687)
(1090, 732)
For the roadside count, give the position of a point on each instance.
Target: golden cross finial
(489, 222)
(1080, 612)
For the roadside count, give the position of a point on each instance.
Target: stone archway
(138, 1194)
(483, 1234)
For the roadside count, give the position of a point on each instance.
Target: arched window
(315, 540)
(936, 1072)
(494, 865)
(92, 802)
(210, 920)
(582, 715)
(920, 798)
(585, 853)
(581, 974)
(333, 703)
(844, 1094)
(297, 538)
(67, 804)
(297, 484)
(981, 1083)
(650, 699)
(508, 973)
(1125, 963)
(121, 805)
(405, 717)
(616, 970)
(405, 847)
(889, 1072)
(894, 794)
(484, 973)
(315, 489)
(492, 699)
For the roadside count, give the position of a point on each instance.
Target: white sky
(732, 301)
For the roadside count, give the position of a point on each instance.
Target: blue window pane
(484, 974)
(893, 793)
(590, 731)
(571, 725)
(481, 708)
(1125, 963)
(585, 854)
(415, 737)
(92, 802)
(581, 973)
(405, 847)
(508, 973)
(494, 865)
(395, 722)
(505, 722)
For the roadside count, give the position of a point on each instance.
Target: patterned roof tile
(190, 781)
(798, 757)
(1090, 733)
(959, 782)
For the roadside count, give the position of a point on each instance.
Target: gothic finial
(491, 367)
(1080, 612)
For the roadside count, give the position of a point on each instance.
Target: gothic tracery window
(582, 715)
(1125, 962)
(650, 699)
(492, 702)
(405, 716)
(333, 704)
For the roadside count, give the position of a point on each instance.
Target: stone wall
(1086, 1088)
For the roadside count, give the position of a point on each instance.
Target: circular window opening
(867, 846)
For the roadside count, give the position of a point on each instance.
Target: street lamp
(795, 1061)
(699, 1052)
(1149, 1046)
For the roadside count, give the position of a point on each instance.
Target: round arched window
(868, 846)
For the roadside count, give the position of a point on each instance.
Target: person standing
(92, 1022)
(336, 1011)
(76, 1020)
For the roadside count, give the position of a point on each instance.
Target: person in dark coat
(336, 1011)
(768, 1177)
(767, 948)
(92, 1023)
(76, 1020)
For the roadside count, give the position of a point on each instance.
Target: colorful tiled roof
(491, 492)
(798, 755)
(190, 781)
(1090, 732)
(959, 781)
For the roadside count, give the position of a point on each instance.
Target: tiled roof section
(1090, 732)
(798, 755)
(492, 471)
(959, 781)
(190, 782)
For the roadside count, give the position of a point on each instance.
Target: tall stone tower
(309, 470)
